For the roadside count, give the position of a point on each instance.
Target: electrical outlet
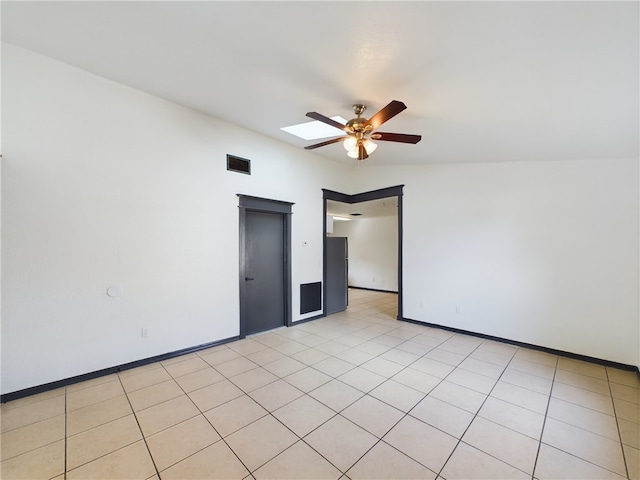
(145, 333)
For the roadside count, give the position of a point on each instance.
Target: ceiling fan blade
(328, 142)
(396, 137)
(362, 152)
(327, 120)
(388, 112)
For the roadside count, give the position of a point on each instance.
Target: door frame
(389, 192)
(265, 205)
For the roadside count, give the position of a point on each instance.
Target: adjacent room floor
(354, 395)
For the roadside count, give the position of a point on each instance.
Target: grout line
(544, 420)
(615, 413)
(135, 416)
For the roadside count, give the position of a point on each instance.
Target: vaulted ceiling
(483, 81)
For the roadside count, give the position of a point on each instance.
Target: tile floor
(356, 395)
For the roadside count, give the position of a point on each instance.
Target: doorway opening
(265, 264)
(393, 195)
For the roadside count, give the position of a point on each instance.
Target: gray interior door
(264, 271)
(336, 288)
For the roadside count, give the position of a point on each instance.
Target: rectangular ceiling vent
(237, 164)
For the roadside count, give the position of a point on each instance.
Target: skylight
(314, 130)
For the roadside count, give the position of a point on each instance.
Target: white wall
(539, 252)
(105, 185)
(373, 251)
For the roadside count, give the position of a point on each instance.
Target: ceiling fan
(360, 131)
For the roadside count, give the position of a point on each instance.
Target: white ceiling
(483, 81)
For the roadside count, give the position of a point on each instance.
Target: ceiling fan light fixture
(350, 143)
(369, 146)
(353, 153)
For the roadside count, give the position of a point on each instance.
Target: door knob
(246, 279)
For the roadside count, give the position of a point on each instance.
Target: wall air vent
(237, 164)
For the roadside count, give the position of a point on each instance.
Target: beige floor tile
(414, 347)
(468, 463)
(387, 340)
(623, 392)
(411, 436)
(307, 379)
(522, 397)
(423, 382)
(385, 462)
(285, 366)
(213, 395)
(269, 339)
(623, 377)
(363, 380)
(297, 462)
(235, 367)
(199, 379)
(95, 394)
(32, 399)
(443, 416)
(374, 416)
(336, 395)
(582, 397)
(185, 367)
(91, 444)
(583, 444)
(97, 414)
(532, 368)
(312, 340)
(333, 367)
(246, 346)
(472, 380)
(483, 368)
(453, 345)
(350, 340)
(397, 395)
(310, 356)
(632, 457)
(135, 371)
(500, 359)
(512, 416)
(432, 367)
(275, 395)
(179, 358)
(303, 415)
(443, 356)
(43, 462)
(158, 393)
(180, 441)
(260, 441)
(144, 379)
(583, 381)
(537, 356)
(498, 347)
(253, 379)
(263, 357)
(341, 442)
(458, 396)
(528, 381)
(13, 418)
(584, 368)
(555, 464)
(27, 438)
(355, 356)
(220, 356)
(629, 433)
(427, 341)
(502, 443)
(290, 347)
(627, 410)
(585, 418)
(131, 462)
(385, 368)
(373, 348)
(164, 415)
(234, 415)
